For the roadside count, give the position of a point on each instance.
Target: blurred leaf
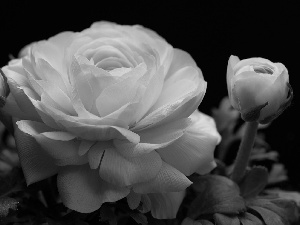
(221, 219)
(216, 194)
(288, 195)
(139, 218)
(285, 210)
(277, 174)
(249, 219)
(289, 206)
(254, 182)
(6, 204)
(12, 182)
(225, 115)
(269, 217)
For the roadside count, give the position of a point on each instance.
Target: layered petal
(166, 205)
(153, 138)
(168, 179)
(36, 164)
(82, 189)
(61, 147)
(121, 171)
(194, 151)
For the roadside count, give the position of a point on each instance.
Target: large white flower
(111, 110)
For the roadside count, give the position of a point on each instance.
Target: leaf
(289, 206)
(139, 218)
(216, 194)
(221, 219)
(269, 217)
(270, 206)
(254, 182)
(249, 219)
(6, 204)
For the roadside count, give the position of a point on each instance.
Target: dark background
(209, 31)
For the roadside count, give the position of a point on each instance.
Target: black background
(209, 31)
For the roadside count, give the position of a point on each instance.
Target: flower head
(111, 110)
(258, 88)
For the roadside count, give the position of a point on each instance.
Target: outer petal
(116, 169)
(189, 87)
(194, 151)
(167, 180)
(36, 164)
(233, 60)
(247, 88)
(165, 206)
(82, 189)
(60, 146)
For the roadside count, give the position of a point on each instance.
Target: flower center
(262, 69)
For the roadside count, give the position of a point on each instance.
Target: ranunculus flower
(258, 88)
(111, 110)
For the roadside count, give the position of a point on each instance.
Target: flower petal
(189, 87)
(166, 205)
(153, 138)
(121, 171)
(91, 132)
(36, 164)
(118, 94)
(82, 190)
(195, 148)
(61, 146)
(168, 179)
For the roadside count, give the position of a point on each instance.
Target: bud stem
(242, 158)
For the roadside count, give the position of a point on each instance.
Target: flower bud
(258, 88)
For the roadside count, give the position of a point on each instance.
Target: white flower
(111, 108)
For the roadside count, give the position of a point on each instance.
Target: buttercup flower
(258, 88)
(111, 110)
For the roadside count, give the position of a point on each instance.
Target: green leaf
(249, 219)
(6, 204)
(221, 219)
(215, 194)
(139, 218)
(254, 182)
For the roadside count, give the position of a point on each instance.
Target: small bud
(258, 88)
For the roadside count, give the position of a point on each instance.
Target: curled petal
(189, 87)
(36, 164)
(153, 138)
(167, 180)
(116, 169)
(165, 205)
(194, 151)
(59, 146)
(82, 189)
(233, 60)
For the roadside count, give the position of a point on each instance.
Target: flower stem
(243, 154)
